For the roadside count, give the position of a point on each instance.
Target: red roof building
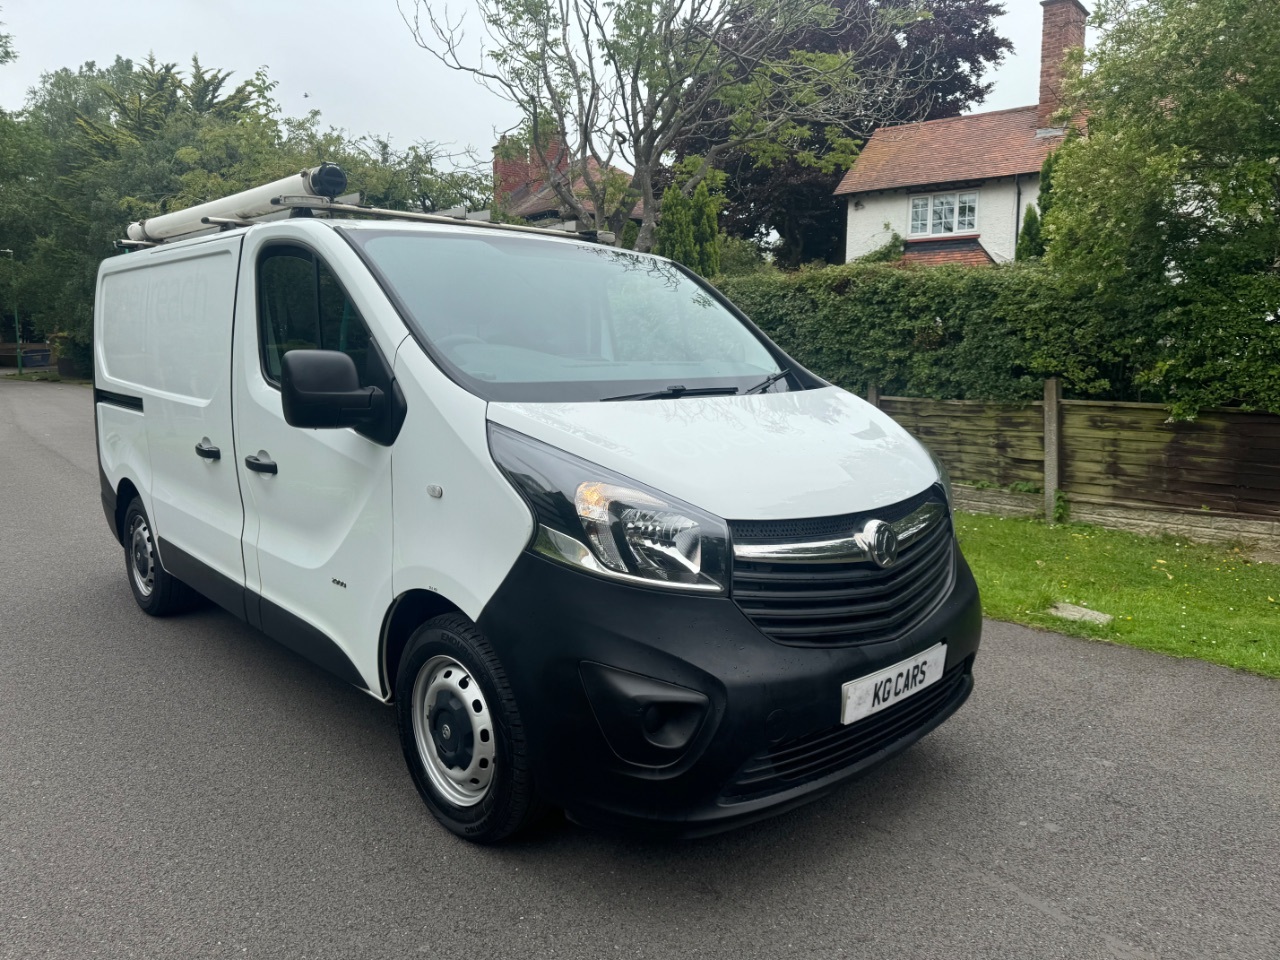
(956, 189)
(521, 187)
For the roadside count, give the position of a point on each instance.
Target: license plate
(884, 688)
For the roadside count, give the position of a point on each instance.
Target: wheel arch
(406, 614)
(125, 493)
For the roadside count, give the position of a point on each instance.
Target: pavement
(187, 788)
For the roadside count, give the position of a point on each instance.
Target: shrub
(946, 332)
(1030, 242)
(888, 252)
(740, 257)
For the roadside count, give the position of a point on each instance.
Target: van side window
(302, 306)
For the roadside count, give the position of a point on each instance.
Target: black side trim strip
(203, 579)
(109, 505)
(301, 637)
(278, 623)
(117, 399)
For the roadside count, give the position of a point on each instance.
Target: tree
(627, 82)
(1030, 241)
(7, 53)
(706, 231)
(95, 148)
(1044, 201)
(790, 193)
(1172, 201)
(675, 234)
(127, 142)
(688, 228)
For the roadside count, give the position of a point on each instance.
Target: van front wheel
(157, 593)
(461, 732)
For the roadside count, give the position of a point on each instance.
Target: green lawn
(1183, 599)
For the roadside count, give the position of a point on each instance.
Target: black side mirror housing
(321, 389)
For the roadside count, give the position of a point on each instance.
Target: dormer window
(942, 214)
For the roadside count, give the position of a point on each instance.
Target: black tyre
(156, 591)
(461, 732)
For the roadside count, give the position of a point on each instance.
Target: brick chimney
(556, 152)
(511, 171)
(1063, 30)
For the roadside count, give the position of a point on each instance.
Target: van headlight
(601, 522)
(944, 478)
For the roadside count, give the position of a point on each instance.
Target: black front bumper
(769, 736)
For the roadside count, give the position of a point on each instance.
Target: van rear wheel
(461, 732)
(157, 593)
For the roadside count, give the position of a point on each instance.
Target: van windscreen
(522, 318)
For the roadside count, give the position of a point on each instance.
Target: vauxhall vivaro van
(602, 543)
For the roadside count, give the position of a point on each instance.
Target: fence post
(1052, 445)
(873, 395)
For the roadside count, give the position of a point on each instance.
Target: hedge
(950, 332)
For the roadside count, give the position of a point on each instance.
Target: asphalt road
(186, 788)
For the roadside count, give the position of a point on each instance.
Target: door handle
(261, 464)
(207, 451)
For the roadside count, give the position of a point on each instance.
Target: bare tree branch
(600, 81)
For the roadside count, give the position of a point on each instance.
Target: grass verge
(1180, 598)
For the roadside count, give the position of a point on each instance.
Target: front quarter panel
(464, 542)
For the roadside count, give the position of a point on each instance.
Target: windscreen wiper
(769, 381)
(676, 391)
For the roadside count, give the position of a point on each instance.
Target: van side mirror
(321, 388)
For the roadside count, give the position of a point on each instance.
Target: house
(521, 188)
(957, 189)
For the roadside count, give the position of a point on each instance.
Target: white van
(602, 543)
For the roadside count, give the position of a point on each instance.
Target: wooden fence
(1125, 454)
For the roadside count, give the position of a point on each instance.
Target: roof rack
(337, 206)
(304, 194)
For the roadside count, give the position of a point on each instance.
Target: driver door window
(301, 306)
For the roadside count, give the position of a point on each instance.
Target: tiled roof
(965, 251)
(981, 146)
(538, 197)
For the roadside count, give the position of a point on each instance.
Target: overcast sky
(354, 61)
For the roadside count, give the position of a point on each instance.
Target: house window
(944, 213)
(919, 215)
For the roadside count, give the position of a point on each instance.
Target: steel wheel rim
(453, 730)
(142, 556)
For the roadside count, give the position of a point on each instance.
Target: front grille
(817, 755)
(842, 602)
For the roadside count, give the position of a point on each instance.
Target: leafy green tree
(1044, 201)
(1030, 241)
(126, 142)
(629, 234)
(97, 147)
(688, 231)
(706, 230)
(7, 53)
(944, 59)
(675, 237)
(740, 258)
(627, 82)
(1171, 205)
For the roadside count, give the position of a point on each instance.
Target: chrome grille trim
(849, 549)
(837, 596)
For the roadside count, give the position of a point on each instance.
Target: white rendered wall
(870, 228)
(884, 213)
